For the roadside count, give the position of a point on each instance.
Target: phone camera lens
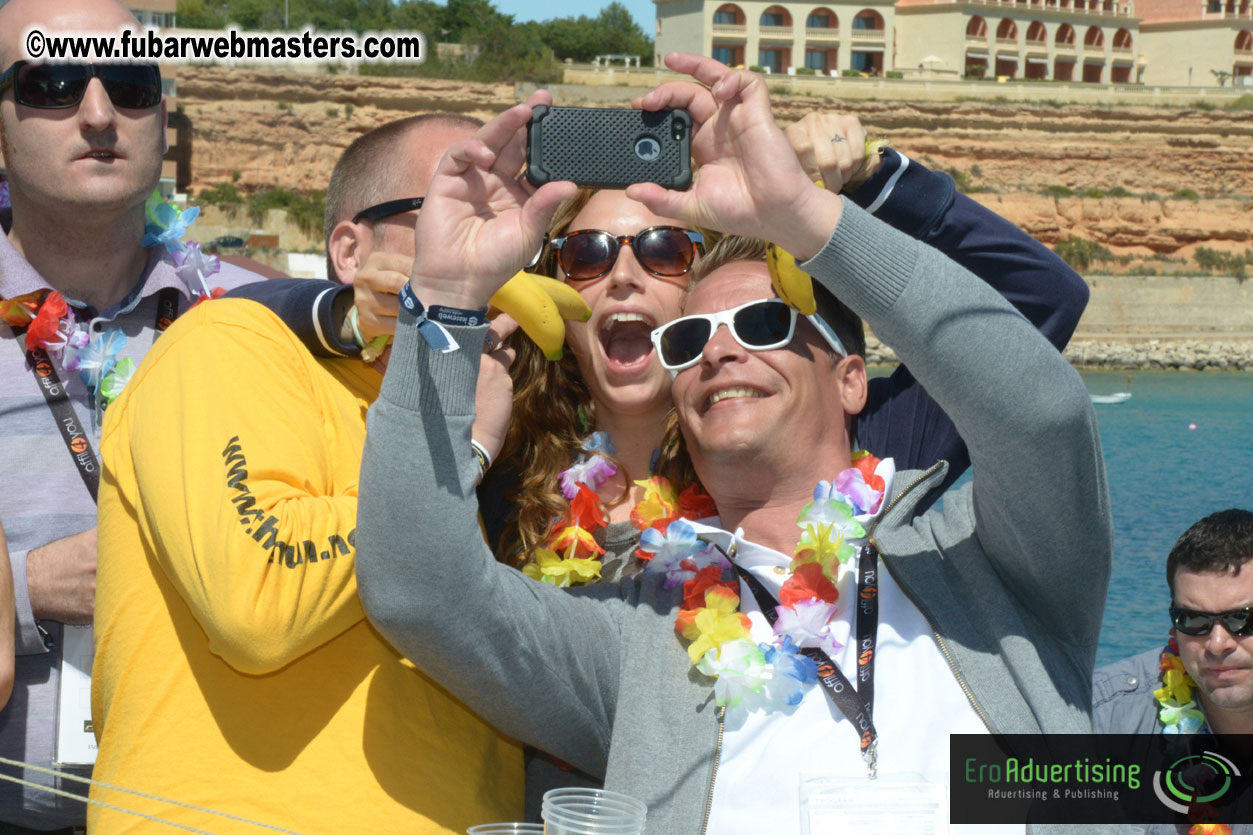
(647, 148)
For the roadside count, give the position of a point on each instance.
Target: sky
(644, 11)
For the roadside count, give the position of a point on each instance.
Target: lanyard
(855, 702)
(55, 395)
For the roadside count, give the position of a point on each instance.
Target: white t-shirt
(917, 704)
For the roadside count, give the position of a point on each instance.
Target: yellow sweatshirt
(234, 667)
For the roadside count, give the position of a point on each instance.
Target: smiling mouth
(733, 392)
(625, 338)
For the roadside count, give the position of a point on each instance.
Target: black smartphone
(609, 147)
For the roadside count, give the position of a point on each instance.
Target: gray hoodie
(1011, 573)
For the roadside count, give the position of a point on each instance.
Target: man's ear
(853, 388)
(347, 249)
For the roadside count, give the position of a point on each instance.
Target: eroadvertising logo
(1100, 779)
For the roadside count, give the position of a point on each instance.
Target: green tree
(198, 14)
(1221, 76)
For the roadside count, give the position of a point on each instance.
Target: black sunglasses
(391, 207)
(762, 325)
(664, 251)
(58, 86)
(1190, 622)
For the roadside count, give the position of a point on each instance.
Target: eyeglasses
(759, 326)
(1190, 622)
(391, 207)
(664, 251)
(58, 86)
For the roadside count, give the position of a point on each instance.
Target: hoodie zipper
(939, 639)
(713, 775)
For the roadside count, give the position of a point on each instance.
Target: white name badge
(893, 804)
(76, 739)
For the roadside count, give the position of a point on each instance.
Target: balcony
(1006, 44)
(774, 33)
(1124, 51)
(822, 33)
(1037, 47)
(730, 30)
(976, 42)
(1064, 48)
(876, 37)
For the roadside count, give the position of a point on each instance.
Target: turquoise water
(1163, 476)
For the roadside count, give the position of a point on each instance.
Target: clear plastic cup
(506, 829)
(577, 811)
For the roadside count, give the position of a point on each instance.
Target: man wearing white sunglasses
(710, 686)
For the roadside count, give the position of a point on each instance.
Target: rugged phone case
(609, 148)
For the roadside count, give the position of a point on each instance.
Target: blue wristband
(436, 336)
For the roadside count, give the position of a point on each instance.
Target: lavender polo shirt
(42, 498)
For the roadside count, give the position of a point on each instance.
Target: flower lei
(51, 324)
(1179, 712)
(747, 674)
(571, 555)
(769, 676)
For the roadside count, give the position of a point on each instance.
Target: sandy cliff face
(287, 130)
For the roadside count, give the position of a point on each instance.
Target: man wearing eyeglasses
(1211, 640)
(985, 614)
(82, 144)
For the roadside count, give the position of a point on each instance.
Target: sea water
(1179, 449)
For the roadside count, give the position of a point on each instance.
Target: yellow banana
(792, 284)
(569, 301)
(535, 312)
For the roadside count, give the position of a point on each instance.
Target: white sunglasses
(762, 325)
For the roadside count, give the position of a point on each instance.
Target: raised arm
(499, 641)
(900, 419)
(1040, 499)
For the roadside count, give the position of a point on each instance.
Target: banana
(535, 312)
(792, 284)
(568, 300)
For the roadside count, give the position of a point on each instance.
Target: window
(1215, 6)
(727, 17)
(772, 19)
(862, 61)
(867, 20)
(816, 59)
(819, 20)
(725, 54)
(772, 58)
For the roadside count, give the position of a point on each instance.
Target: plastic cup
(578, 811)
(506, 829)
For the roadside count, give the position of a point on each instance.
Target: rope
(74, 777)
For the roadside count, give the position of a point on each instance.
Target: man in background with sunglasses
(82, 144)
(1210, 576)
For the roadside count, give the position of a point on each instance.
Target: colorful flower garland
(51, 325)
(747, 674)
(1179, 712)
(770, 676)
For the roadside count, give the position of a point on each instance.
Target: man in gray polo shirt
(79, 169)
